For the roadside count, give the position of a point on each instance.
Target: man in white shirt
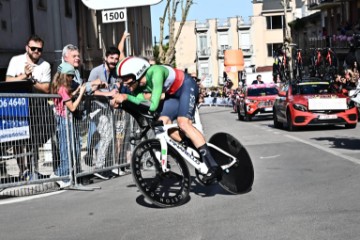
(25, 67)
(30, 66)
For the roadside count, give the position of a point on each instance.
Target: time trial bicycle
(159, 165)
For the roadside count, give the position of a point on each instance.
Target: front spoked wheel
(162, 189)
(239, 178)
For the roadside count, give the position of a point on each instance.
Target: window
(204, 69)
(271, 47)
(42, 5)
(223, 41)
(254, 92)
(274, 22)
(202, 42)
(3, 25)
(245, 41)
(68, 8)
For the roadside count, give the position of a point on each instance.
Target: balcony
(322, 4)
(203, 53)
(340, 44)
(220, 52)
(242, 25)
(201, 26)
(222, 24)
(247, 50)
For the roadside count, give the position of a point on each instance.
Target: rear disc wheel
(239, 178)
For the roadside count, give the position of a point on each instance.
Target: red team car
(313, 102)
(256, 100)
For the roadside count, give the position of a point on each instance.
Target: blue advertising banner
(14, 122)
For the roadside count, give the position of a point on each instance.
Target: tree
(167, 53)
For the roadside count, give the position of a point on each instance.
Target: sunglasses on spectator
(35, 48)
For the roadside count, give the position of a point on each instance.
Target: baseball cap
(66, 68)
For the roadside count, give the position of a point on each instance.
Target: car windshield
(254, 92)
(313, 88)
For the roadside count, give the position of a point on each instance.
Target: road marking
(23, 199)
(275, 156)
(351, 159)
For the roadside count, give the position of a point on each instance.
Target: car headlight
(300, 107)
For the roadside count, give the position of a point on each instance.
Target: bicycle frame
(188, 154)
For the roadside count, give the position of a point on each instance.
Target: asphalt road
(307, 186)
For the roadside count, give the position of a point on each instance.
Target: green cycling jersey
(159, 79)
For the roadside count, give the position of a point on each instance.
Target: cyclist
(179, 91)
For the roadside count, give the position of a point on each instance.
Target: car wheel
(350, 126)
(240, 117)
(277, 124)
(290, 124)
(247, 117)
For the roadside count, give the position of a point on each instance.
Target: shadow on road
(196, 188)
(344, 143)
(206, 191)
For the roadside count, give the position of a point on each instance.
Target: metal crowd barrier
(98, 139)
(28, 151)
(219, 101)
(103, 134)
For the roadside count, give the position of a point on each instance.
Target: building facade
(201, 46)
(61, 22)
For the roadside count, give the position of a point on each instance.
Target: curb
(28, 190)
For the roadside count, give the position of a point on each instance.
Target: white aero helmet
(132, 67)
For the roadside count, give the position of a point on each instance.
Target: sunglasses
(33, 49)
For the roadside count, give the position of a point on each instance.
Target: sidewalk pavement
(28, 190)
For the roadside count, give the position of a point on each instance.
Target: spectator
(350, 58)
(71, 55)
(258, 80)
(31, 66)
(214, 95)
(24, 67)
(106, 75)
(61, 85)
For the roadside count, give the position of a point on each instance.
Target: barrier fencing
(218, 101)
(39, 147)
